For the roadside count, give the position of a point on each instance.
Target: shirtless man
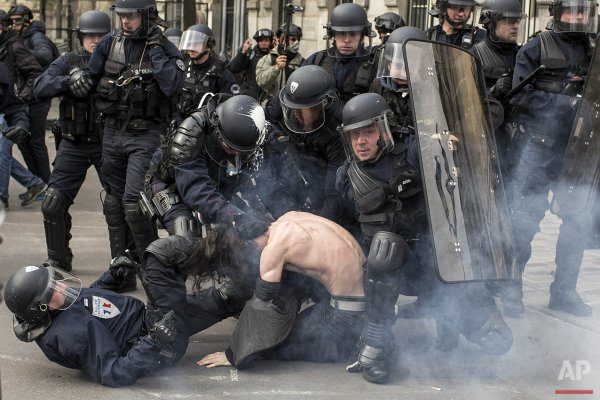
(326, 331)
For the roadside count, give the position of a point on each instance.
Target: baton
(524, 82)
(140, 274)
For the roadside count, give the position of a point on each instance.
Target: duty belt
(348, 303)
(164, 200)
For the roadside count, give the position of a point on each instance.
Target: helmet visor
(577, 16)
(194, 41)
(367, 140)
(391, 63)
(304, 119)
(175, 40)
(382, 24)
(62, 289)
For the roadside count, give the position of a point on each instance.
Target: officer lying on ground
(101, 332)
(269, 324)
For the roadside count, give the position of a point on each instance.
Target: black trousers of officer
(126, 159)
(35, 152)
(70, 168)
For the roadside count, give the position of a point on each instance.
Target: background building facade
(233, 21)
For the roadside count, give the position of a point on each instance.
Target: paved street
(545, 341)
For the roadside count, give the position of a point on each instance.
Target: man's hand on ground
(217, 359)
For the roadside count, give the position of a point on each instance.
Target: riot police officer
(34, 36)
(204, 163)
(386, 23)
(81, 132)
(347, 61)
(174, 36)
(103, 333)
(546, 110)
(383, 179)
(454, 27)
(305, 156)
(244, 62)
(203, 72)
(138, 74)
(498, 51)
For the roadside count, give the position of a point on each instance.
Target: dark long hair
(224, 254)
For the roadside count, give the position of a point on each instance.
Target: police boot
(511, 295)
(142, 229)
(117, 227)
(375, 354)
(56, 226)
(566, 299)
(494, 336)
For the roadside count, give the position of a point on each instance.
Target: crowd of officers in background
(183, 138)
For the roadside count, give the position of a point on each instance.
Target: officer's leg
(54, 209)
(37, 153)
(482, 323)
(113, 172)
(70, 168)
(166, 283)
(139, 151)
(574, 232)
(530, 186)
(117, 227)
(386, 255)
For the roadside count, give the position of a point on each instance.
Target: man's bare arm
(272, 260)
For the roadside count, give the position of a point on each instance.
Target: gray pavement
(546, 342)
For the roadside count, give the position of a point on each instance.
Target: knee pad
(187, 227)
(388, 251)
(113, 210)
(170, 251)
(55, 204)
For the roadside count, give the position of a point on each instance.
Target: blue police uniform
(136, 91)
(545, 113)
(80, 149)
(104, 334)
(465, 37)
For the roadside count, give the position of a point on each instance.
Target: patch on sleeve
(103, 308)
(180, 64)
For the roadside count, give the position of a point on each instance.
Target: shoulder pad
(188, 139)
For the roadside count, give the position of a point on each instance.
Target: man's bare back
(313, 246)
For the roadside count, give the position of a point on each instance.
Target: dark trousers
(71, 164)
(126, 159)
(35, 152)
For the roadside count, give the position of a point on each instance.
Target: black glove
(122, 267)
(163, 331)
(80, 83)
(502, 86)
(249, 226)
(17, 134)
(155, 36)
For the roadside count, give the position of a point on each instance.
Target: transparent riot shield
(579, 181)
(461, 176)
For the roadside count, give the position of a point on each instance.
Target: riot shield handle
(524, 82)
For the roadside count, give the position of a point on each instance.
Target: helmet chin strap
(199, 56)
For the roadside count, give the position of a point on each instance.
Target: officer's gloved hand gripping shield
(465, 197)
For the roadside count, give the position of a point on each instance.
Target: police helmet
(92, 22)
(391, 63)
(263, 34)
(348, 17)
(4, 20)
(198, 38)
(240, 123)
(294, 30)
(587, 7)
(387, 22)
(146, 8)
(30, 292)
(441, 6)
(365, 131)
(174, 35)
(21, 9)
(405, 33)
(308, 93)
